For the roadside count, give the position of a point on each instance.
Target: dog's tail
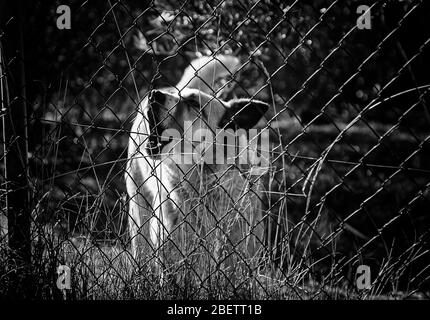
(203, 72)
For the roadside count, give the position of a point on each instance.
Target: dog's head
(174, 116)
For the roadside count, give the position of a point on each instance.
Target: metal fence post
(16, 141)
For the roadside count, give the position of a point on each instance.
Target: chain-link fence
(328, 199)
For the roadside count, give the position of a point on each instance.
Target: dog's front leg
(138, 208)
(161, 224)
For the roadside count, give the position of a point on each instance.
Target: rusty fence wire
(341, 209)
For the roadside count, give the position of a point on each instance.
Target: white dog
(163, 190)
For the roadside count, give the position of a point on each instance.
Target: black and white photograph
(215, 150)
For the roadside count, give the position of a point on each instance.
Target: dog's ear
(243, 114)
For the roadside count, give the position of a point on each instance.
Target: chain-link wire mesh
(344, 142)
